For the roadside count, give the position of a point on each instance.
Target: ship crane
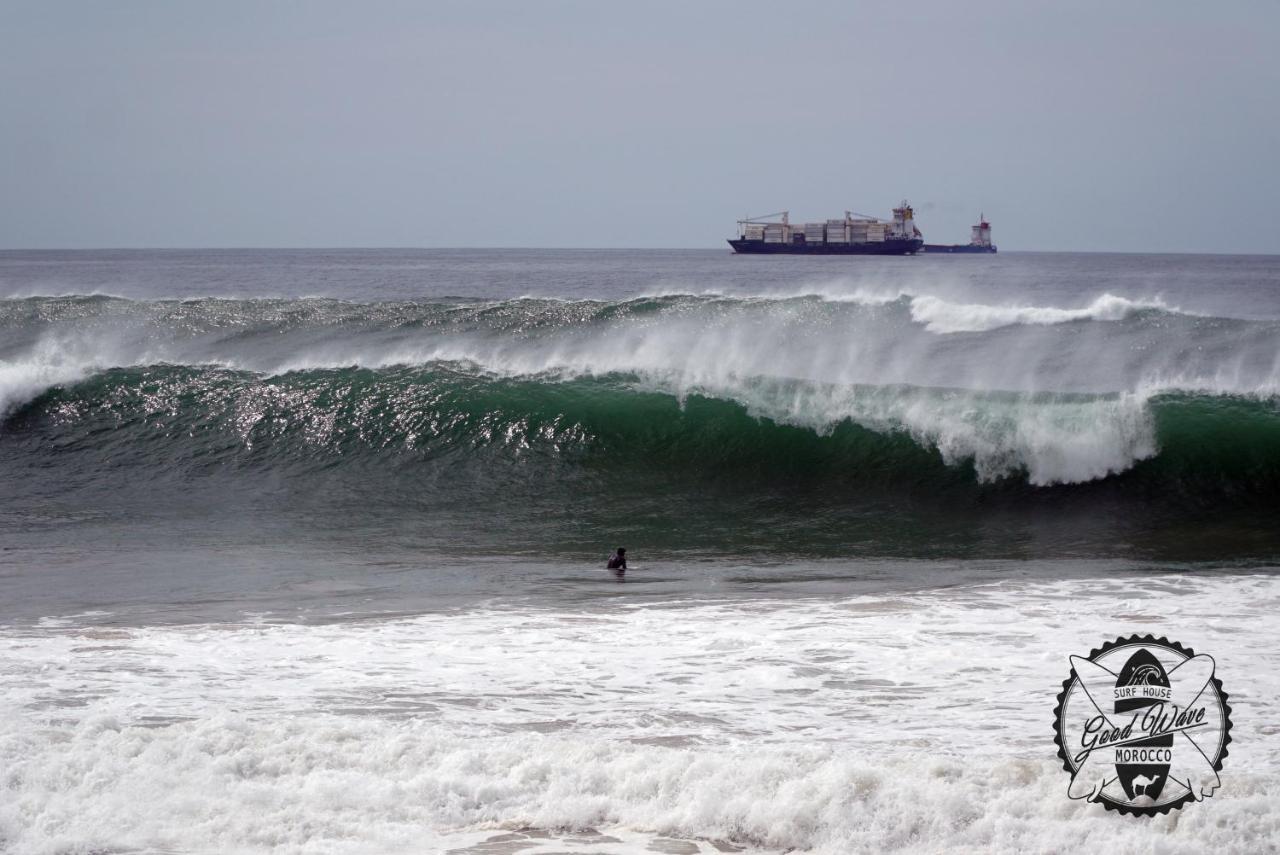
(764, 218)
(768, 218)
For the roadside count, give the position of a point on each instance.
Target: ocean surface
(302, 551)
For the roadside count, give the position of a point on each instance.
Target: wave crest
(941, 316)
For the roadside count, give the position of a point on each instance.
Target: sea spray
(941, 316)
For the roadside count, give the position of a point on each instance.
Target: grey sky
(1146, 126)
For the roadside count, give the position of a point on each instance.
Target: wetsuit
(617, 562)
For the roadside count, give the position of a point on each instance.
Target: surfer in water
(618, 561)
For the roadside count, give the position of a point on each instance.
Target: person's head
(621, 551)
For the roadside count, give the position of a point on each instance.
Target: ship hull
(966, 248)
(887, 247)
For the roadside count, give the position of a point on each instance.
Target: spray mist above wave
(941, 316)
(869, 341)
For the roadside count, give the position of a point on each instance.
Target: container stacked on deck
(853, 235)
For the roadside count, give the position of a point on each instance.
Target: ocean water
(302, 550)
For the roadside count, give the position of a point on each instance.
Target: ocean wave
(1037, 402)
(174, 415)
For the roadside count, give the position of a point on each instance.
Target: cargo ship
(856, 234)
(980, 240)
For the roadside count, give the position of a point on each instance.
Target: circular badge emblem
(1142, 725)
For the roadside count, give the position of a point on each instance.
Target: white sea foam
(305, 784)
(832, 290)
(915, 722)
(45, 366)
(1053, 439)
(941, 316)
(930, 306)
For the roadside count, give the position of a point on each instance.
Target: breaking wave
(866, 390)
(180, 416)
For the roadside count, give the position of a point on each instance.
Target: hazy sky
(1148, 126)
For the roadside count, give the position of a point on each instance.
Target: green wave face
(1200, 447)
(1216, 447)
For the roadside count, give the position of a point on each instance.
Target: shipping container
(860, 235)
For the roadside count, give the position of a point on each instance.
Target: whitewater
(870, 723)
(303, 551)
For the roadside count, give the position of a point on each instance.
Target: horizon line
(390, 247)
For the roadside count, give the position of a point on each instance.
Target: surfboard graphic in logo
(1142, 725)
(1146, 678)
